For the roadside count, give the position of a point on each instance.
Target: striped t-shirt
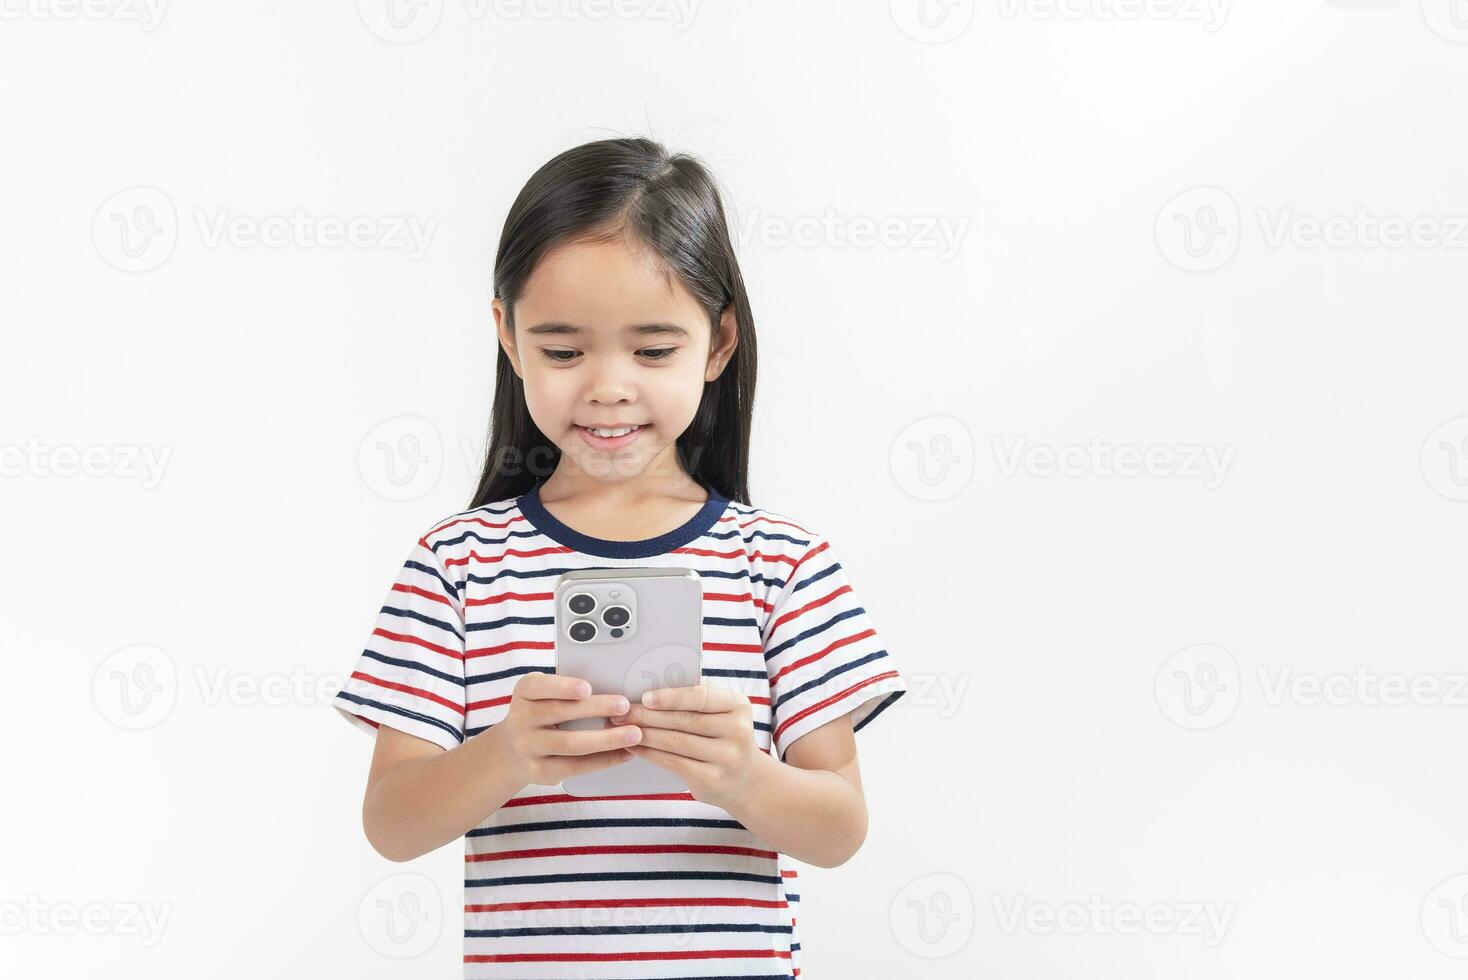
(650, 886)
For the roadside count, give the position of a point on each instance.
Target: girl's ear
(506, 336)
(723, 346)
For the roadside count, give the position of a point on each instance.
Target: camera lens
(582, 603)
(583, 630)
(616, 616)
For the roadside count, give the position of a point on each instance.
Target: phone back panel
(661, 645)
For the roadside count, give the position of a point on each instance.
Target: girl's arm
(420, 797)
(810, 806)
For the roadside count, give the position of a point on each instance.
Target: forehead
(604, 286)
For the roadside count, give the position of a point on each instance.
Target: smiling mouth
(628, 433)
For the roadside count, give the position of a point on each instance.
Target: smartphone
(628, 631)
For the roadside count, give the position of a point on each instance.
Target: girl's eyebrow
(541, 329)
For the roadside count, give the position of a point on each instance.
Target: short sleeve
(411, 674)
(822, 652)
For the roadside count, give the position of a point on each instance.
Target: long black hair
(671, 204)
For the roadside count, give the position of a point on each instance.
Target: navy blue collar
(694, 528)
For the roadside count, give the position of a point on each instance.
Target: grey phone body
(661, 645)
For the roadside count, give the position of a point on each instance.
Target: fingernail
(650, 699)
(621, 705)
(583, 690)
(633, 735)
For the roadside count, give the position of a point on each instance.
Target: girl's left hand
(704, 734)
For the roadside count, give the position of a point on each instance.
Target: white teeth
(613, 433)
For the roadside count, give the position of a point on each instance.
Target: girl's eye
(651, 353)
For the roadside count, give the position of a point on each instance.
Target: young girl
(620, 438)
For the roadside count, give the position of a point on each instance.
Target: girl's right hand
(545, 754)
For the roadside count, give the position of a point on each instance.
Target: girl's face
(603, 338)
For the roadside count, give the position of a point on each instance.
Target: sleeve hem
(867, 702)
(366, 715)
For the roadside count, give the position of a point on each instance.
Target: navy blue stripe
(887, 702)
(495, 624)
(810, 580)
(606, 822)
(412, 665)
(624, 930)
(826, 678)
(426, 620)
(779, 648)
(394, 709)
(449, 592)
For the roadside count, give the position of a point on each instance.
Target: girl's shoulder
(769, 525)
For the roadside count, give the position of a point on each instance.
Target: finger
(540, 686)
(699, 697)
(597, 705)
(598, 760)
(687, 768)
(554, 741)
(696, 722)
(688, 746)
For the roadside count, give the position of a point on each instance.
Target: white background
(1095, 715)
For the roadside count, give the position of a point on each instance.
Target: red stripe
(476, 520)
(517, 553)
(527, 597)
(408, 638)
(813, 604)
(731, 597)
(731, 554)
(812, 658)
(771, 520)
(692, 954)
(415, 691)
(621, 849)
(513, 645)
(414, 590)
(832, 700)
(735, 647)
